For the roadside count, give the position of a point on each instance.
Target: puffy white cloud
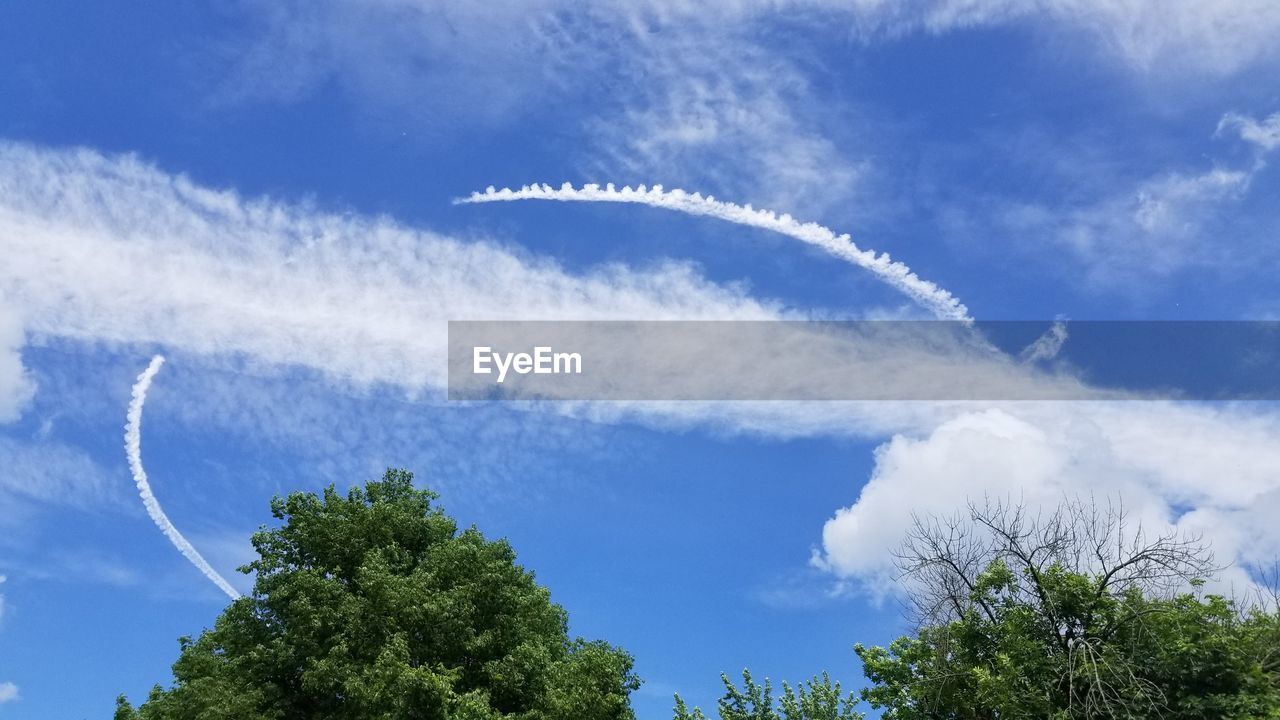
(1193, 468)
(8, 692)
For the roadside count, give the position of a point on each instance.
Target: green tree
(817, 699)
(375, 605)
(1070, 616)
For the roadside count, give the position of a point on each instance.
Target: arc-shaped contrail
(937, 300)
(133, 449)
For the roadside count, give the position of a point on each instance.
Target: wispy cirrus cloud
(1265, 133)
(1178, 37)
(113, 252)
(663, 91)
(711, 102)
(1154, 228)
(50, 471)
(16, 385)
(109, 249)
(730, 98)
(1127, 230)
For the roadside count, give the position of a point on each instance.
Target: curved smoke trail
(939, 301)
(133, 449)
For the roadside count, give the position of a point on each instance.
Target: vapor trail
(939, 301)
(133, 448)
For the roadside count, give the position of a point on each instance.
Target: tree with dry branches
(1074, 613)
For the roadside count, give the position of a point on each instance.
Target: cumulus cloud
(8, 692)
(1197, 469)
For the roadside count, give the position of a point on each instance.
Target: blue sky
(262, 192)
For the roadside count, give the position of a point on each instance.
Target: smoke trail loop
(898, 275)
(133, 450)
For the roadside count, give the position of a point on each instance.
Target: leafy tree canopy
(1071, 616)
(1075, 615)
(818, 699)
(375, 605)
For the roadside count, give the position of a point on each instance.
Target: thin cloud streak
(133, 449)
(896, 274)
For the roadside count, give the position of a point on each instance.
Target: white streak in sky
(133, 448)
(939, 301)
(1047, 346)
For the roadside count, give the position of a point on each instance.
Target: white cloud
(1107, 222)
(79, 565)
(445, 63)
(1177, 36)
(705, 105)
(1211, 470)
(133, 448)
(1047, 346)
(663, 91)
(16, 386)
(894, 273)
(1123, 231)
(112, 250)
(1265, 134)
(47, 471)
(8, 692)
(1157, 228)
(728, 97)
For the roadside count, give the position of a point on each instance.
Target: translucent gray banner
(863, 360)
